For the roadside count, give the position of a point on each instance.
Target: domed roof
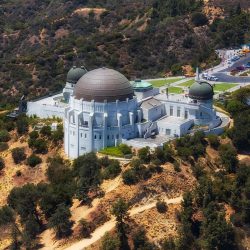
(103, 84)
(201, 91)
(75, 74)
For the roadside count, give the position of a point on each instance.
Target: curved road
(224, 76)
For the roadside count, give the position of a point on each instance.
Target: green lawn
(187, 83)
(221, 87)
(175, 90)
(113, 151)
(160, 83)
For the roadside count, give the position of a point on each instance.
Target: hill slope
(41, 40)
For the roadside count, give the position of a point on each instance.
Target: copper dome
(103, 84)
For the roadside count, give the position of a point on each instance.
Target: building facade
(101, 108)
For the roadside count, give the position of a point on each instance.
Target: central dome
(201, 91)
(103, 84)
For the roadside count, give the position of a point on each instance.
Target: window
(81, 135)
(95, 137)
(200, 114)
(117, 136)
(73, 132)
(108, 137)
(186, 114)
(85, 135)
(100, 137)
(171, 111)
(178, 112)
(112, 137)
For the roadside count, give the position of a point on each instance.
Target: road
(109, 225)
(222, 72)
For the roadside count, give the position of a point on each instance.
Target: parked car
(240, 68)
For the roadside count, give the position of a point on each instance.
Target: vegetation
(60, 221)
(110, 242)
(33, 160)
(18, 155)
(163, 82)
(120, 151)
(161, 206)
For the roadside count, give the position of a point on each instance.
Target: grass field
(221, 87)
(175, 90)
(160, 83)
(187, 83)
(113, 151)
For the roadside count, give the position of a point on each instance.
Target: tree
(112, 170)
(24, 201)
(33, 135)
(213, 141)
(199, 19)
(60, 221)
(46, 131)
(140, 240)
(228, 157)
(6, 215)
(144, 154)
(22, 125)
(217, 233)
(110, 242)
(119, 210)
(34, 160)
(18, 155)
(87, 174)
(4, 136)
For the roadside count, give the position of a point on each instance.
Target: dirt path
(78, 212)
(100, 231)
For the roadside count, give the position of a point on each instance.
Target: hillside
(41, 40)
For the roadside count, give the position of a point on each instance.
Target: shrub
(4, 136)
(46, 131)
(33, 135)
(33, 160)
(3, 146)
(177, 166)
(58, 134)
(18, 155)
(110, 242)
(40, 146)
(85, 228)
(112, 170)
(161, 206)
(213, 141)
(228, 156)
(18, 173)
(144, 154)
(125, 149)
(129, 177)
(2, 164)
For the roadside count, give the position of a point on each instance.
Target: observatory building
(102, 108)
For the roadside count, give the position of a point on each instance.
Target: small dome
(103, 84)
(201, 91)
(75, 74)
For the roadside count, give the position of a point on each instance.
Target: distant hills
(41, 40)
